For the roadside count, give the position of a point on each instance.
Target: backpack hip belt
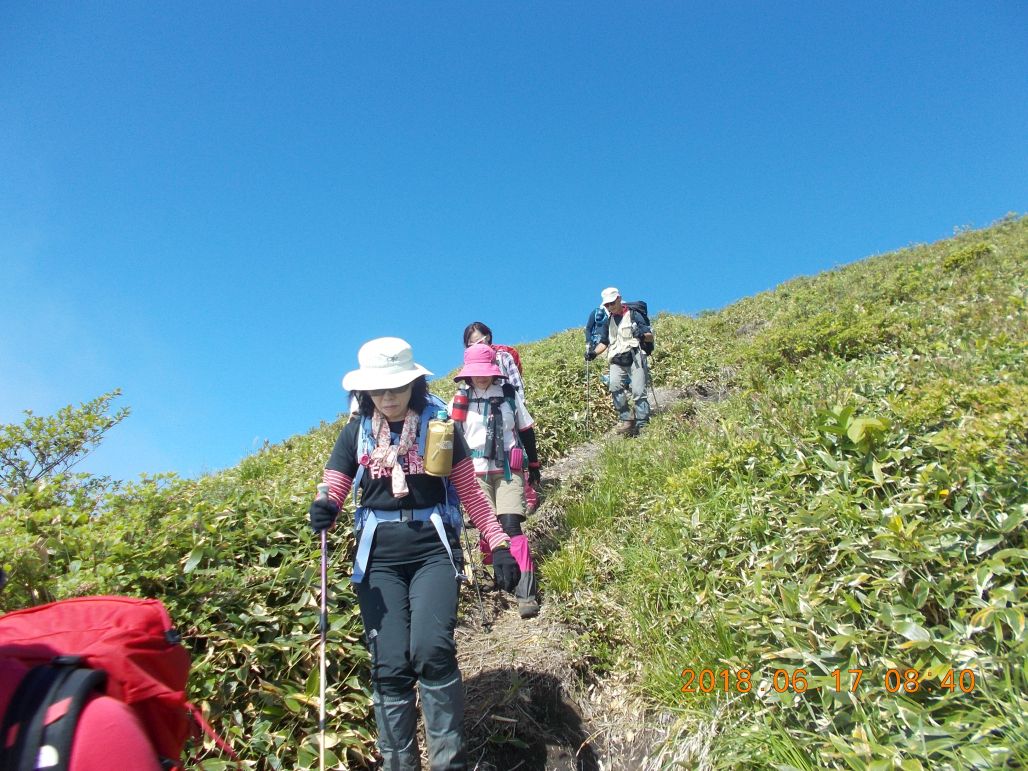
(370, 518)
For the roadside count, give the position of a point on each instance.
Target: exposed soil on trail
(532, 702)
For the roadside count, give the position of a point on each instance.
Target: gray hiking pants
(631, 377)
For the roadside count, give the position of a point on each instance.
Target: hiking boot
(528, 608)
(626, 427)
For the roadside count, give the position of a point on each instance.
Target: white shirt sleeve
(524, 418)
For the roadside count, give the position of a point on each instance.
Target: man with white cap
(621, 340)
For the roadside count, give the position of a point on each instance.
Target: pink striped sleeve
(477, 505)
(338, 486)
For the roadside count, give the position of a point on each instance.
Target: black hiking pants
(409, 613)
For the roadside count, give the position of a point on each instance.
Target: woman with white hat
(406, 569)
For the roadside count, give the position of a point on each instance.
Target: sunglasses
(390, 391)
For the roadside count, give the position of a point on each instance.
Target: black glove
(323, 514)
(590, 353)
(534, 477)
(505, 569)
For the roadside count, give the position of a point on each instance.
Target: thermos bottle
(460, 405)
(439, 445)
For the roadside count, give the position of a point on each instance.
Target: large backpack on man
(640, 307)
(124, 647)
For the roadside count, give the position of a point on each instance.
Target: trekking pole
(649, 381)
(323, 493)
(469, 575)
(587, 363)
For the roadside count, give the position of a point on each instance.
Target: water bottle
(439, 445)
(460, 405)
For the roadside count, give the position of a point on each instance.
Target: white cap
(609, 295)
(385, 362)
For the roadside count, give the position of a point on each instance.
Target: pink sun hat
(479, 361)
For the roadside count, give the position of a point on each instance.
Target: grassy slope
(778, 528)
(858, 503)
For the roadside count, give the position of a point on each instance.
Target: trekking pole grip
(323, 624)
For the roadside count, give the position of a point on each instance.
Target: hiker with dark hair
(509, 362)
(507, 357)
(623, 338)
(407, 564)
(500, 433)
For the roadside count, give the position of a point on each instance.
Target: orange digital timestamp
(839, 680)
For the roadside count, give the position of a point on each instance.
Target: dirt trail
(531, 702)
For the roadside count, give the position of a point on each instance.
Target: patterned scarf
(388, 454)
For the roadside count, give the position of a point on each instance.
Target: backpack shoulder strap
(363, 443)
(27, 714)
(510, 395)
(434, 405)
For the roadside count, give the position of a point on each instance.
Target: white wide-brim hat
(609, 295)
(385, 362)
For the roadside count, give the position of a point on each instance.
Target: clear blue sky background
(211, 206)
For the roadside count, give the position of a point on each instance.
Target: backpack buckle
(67, 661)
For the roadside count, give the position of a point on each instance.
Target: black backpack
(640, 307)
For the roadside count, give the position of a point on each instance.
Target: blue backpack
(594, 326)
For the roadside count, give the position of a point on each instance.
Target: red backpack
(71, 648)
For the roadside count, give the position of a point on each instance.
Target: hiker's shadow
(518, 719)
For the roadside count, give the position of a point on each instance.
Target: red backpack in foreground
(122, 646)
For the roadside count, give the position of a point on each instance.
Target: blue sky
(211, 206)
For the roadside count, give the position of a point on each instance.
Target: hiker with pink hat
(501, 435)
(408, 561)
(509, 361)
